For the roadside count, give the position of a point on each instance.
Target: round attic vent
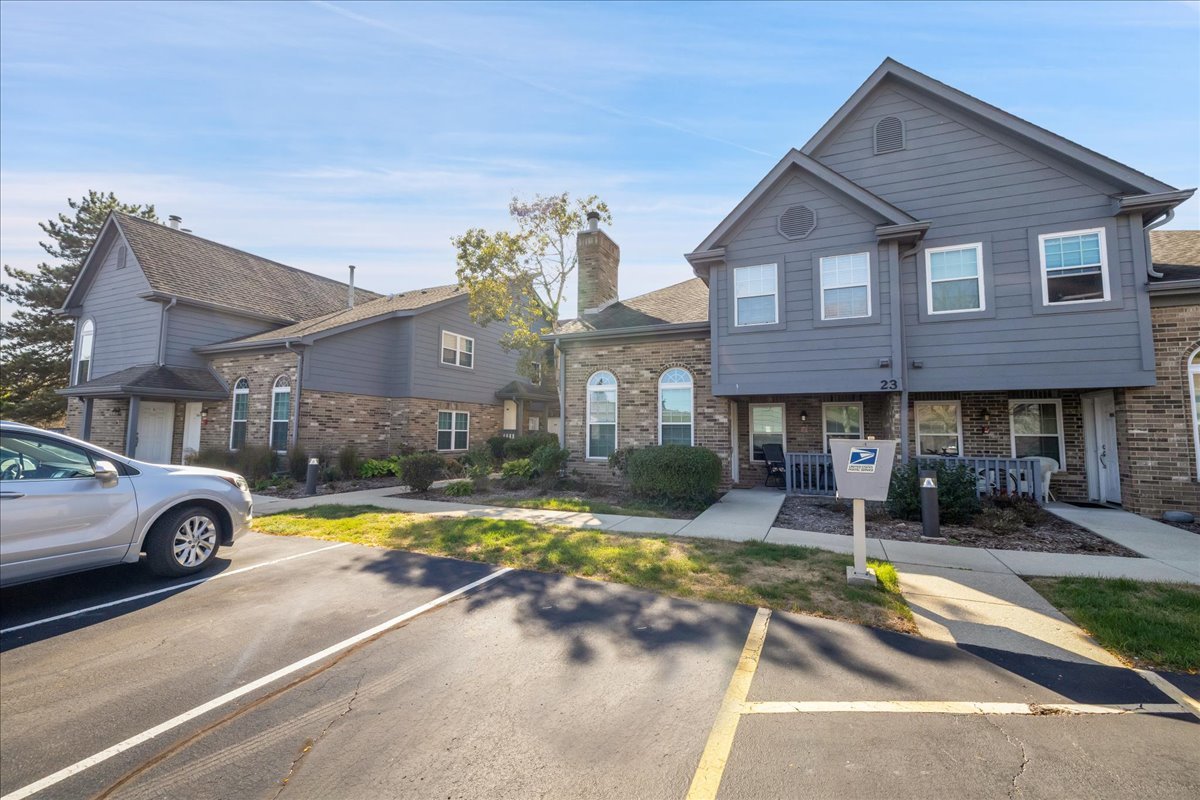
(797, 222)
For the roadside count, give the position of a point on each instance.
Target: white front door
(191, 430)
(510, 415)
(1104, 471)
(155, 427)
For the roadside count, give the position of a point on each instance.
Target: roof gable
(190, 267)
(1129, 179)
(875, 208)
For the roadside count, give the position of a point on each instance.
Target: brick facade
(637, 365)
(414, 420)
(108, 422)
(1154, 424)
(260, 370)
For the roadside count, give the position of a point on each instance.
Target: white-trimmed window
(1037, 429)
(939, 428)
(281, 412)
(846, 286)
(756, 295)
(458, 350)
(675, 393)
(237, 422)
(453, 430)
(954, 278)
(841, 421)
(83, 359)
(1194, 383)
(601, 415)
(1074, 267)
(536, 369)
(767, 426)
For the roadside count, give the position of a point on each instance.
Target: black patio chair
(773, 455)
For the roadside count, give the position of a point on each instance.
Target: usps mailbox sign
(863, 467)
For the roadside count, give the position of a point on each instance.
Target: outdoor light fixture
(804, 416)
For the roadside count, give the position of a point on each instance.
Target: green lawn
(1155, 625)
(797, 579)
(593, 506)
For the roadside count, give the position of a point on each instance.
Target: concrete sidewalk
(1165, 543)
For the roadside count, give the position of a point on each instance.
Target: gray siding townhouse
(183, 343)
(929, 268)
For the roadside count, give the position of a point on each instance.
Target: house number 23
(889, 384)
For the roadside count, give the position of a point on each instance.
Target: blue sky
(329, 133)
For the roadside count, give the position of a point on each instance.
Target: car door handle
(11, 495)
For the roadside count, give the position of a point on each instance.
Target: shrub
(548, 462)
(517, 473)
(214, 457)
(1025, 509)
(523, 446)
(420, 470)
(496, 445)
(478, 458)
(957, 501)
(331, 473)
(618, 460)
(297, 463)
(254, 462)
(348, 460)
(675, 474)
(377, 467)
(460, 489)
(999, 520)
(454, 468)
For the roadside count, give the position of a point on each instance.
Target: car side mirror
(106, 473)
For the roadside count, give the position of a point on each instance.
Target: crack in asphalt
(309, 744)
(1013, 790)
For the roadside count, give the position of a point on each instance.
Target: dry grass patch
(798, 579)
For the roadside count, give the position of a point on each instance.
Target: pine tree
(35, 344)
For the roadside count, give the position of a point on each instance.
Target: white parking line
(167, 589)
(954, 707)
(242, 691)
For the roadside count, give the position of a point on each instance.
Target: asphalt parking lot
(299, 668)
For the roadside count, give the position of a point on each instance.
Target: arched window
(675, 407)
(241, 404)
(1194, 383)
(83, 358)
(281, 412)
(601, 415)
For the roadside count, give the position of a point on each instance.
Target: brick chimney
(599, 258)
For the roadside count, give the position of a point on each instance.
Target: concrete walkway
(1157, 540)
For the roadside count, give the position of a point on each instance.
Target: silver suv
(67, 505)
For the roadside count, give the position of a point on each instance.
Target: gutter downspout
(562, 393)
(294, 431)
(1170, 215)
(904, 366)
(162, 331)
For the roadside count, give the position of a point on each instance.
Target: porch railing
(812, 474)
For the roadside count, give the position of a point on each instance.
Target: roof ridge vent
(797, 222)
(889, 135)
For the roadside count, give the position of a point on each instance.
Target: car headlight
(239, 482)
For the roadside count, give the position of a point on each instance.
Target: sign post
(863, 470)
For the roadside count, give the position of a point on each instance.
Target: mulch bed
(1053, 535)
(334, 487)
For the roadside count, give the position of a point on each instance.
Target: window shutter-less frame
(797, 222)
(889, 135)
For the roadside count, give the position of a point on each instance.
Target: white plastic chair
(1049, 466)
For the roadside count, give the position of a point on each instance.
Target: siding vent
(122, 254)
(797, 222)
(889, 135)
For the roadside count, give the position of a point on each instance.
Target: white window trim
(1103, 268)
(750, 427)
(587, 420)
(79, 352)
(452, 430)
(277, 389)
(1193, 368)
(929, 281)
(862, 421)
(737, 323)
(458, 349)
(691, 386)
(1012, 432)
(233, 408)
(823, 287)
(917, 420)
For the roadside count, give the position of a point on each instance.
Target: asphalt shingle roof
(672, 305)
(1176, 254)
(402, 301)
(189, 266)
(156, 379)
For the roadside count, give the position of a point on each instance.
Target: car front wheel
(183, 542)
